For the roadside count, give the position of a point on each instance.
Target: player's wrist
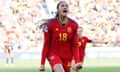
(77, 61)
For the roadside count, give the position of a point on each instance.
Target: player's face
(80, 30)
(63, 8)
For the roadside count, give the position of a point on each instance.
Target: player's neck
(63, 20)
(80, 36)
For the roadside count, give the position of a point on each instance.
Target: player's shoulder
(51, 21)
(48, 25)
(73, 21)
(84, 37)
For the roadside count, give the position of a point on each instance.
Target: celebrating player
(83, 40)
(60, 41)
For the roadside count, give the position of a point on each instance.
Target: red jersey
(82, 45)
(61, 40)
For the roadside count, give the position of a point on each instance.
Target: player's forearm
(44, 53)
(76, 54)
(98, 41)
(45, 47)
(81, 59)
(43, 58)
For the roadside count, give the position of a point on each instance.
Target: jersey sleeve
(81, 54)
(46, 44)
(75, 49)
(88, 40)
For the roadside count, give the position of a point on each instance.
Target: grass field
(90, 65)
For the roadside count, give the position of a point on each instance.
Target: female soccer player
(83, 40)
(60, 41)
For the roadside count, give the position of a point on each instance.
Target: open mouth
(65, 11)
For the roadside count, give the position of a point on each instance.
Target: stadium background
(20, 20)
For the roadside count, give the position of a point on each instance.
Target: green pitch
(90, 65)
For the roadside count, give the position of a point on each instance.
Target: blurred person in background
(8, 51)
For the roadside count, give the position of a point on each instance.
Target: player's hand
(77, 66)
(42, 68)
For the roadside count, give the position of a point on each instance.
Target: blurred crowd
(20, 20)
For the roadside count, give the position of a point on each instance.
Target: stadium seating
(19, 20)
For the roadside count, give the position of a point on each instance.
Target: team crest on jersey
(56, 29)
(45, 29)
(69, 29)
